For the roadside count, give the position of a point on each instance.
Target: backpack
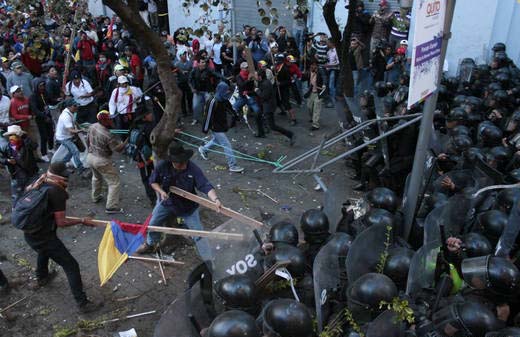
(30, 211)
(137, 149)
(208, 114)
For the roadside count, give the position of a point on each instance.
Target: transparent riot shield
(466, 70)
(382, 127)
(387, 324)
(328, 274)
(421, 274)
(366, 251)
(335, 196)
(232, 257)
(185, 317)
(453, 215)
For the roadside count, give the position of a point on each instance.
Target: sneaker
(145, 248)
(236, 169)
(314, 128)
(203, 153)
(89, 306)
(193, 122)
(114, 210)
(45, 159)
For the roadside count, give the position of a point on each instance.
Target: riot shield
(466, 69)
(327, 274)
(382, 127)
(185, 317)
(461, 178)
(334, 198)
(453, 215)
(387, 324)
(366, 251)
(422, 268)
(232, 257)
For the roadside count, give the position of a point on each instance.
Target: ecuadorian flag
(119, 241)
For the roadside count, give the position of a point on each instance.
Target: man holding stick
(178, 171)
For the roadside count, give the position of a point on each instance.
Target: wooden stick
(160, 267)
(151, 259)
(211, 205)
(178, 231)
(13, 304)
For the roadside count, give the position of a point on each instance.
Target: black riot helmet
(489, 134)
(285, 252)
(315, 226)
(502, 156)
(457, 115)
(477, 245)
(474, 153)
(461, 143)
(234, 323)
(492, 224)
(398, 264)
(284, 232)
(493, 86)
(287, 318)
(238, 292)
(495, 274)
(459, 100)
(514, 175)
(461, 130)
(369, 290)
(504, 79)
(506, 199)
(381, 88)
(379, 216)
(507, 332)
(499, 46)
(452, 83)
(465, 319)
(382, 197)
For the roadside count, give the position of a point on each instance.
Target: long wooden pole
(154, 260)
(211, 205)
(179, 231)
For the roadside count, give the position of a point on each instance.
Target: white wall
(471, 29)
(97, 8)
(178, 17)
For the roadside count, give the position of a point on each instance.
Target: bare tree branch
(329, 14)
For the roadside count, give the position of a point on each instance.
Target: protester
(216, 121)
(18, 156)
(20, 78)
(40, 108)
(123, 103)
(101, 145)
(179, 171)
(314, 95)
(81, 91)
(46, 243)
(66, 133)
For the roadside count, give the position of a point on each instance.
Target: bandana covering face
(15, 142)
(130, 98)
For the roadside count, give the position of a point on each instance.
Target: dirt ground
(137, 286)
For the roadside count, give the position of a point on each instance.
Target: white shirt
(84, 88)
(65, 122)
(216, 53)
(206, 44)
(5, 104)
(120, 100)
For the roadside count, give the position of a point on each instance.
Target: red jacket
(135, 62)
(32, 64)
(85, 49)
(20, 110)
(294, 70)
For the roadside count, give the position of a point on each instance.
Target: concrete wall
(97, 8)
(506, 28)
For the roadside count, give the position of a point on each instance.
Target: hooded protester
(123, 103)
(216, 121)
(40, 108)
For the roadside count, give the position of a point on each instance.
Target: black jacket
(25, 165)
(267, 95)
(204, 80)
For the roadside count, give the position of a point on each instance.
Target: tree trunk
(163, 134)
(342, 42)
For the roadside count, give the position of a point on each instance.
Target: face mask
(15, 141)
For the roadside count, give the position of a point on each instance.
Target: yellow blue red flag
(119, 241)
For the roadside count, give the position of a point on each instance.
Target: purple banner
(428, 51)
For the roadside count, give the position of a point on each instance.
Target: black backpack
(137, 149)
(208, 114)
(30, 212)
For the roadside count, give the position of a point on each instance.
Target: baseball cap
(119, 67)
(14, 88)
(243, 65)
(405, 42)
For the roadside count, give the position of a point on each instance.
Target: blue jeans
(221, 139)
(298, 36)
(73, 153)
(161, 213)
(199, 99)
(332, 84)
(243, 100)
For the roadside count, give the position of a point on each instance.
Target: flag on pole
(110, 29)
(119, 241)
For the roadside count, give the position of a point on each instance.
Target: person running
(216, 121)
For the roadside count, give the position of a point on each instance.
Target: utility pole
(425, 132)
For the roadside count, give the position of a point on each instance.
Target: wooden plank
(211, 205)
(179, 231)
